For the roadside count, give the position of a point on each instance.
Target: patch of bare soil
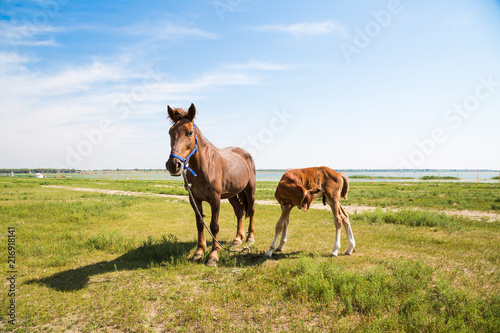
(118, 192)
(475, 215)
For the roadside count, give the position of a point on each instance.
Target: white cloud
(27, 34)
(166, 30)
(169, 30)
(12, 58)
(48, 111)
(82, 78)
(73, 80)
(258, 65)
(194, 89)
(101, 83)
(12, 62)
(304, 28)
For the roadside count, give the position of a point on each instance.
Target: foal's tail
(242, 198)
(345, 186)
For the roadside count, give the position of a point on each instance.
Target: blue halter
(193, 152)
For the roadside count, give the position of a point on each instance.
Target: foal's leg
(284, 233)
(202, 244)
(213, 258)
(285, 214)
(348, 230)
(238, 211)
(338, 225)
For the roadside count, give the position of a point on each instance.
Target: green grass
(445, 196)
(355, 177)
(412, 218)
(111, 242)
(91, 262)
(394, 295)
(439, 177)
(432, 196)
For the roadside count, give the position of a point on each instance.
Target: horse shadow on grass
(150, 253)
(168, 251)
(247, 259)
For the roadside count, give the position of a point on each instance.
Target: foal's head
(182, 138)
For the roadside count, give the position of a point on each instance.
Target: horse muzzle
(174, 166)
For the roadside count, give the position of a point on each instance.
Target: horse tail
(242, 198)
(345, 186)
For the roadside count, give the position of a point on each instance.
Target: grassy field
(89, 262)
(463, 196)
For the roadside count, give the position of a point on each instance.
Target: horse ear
(174, 114)
(191, 112)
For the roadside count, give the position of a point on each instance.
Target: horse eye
(190, 133)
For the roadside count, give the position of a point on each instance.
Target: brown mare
(215, 174)
(299, 187)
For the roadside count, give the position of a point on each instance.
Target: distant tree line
(41, 170)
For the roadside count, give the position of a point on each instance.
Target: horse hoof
(269, 254)
(236, 242)
(197, 257)
(250, 240)
(349, 252)
(212, 262)
(334, 255)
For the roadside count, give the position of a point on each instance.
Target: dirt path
(118, 192)
(476, 215)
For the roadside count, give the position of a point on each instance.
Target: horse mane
(180, 114)
(176, 114)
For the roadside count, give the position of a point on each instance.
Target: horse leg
(202, 244)
(348, 230)
(285, 213)
(284, 233)
(338, 226)
(238, 211)
(213, 258)
(250, 194)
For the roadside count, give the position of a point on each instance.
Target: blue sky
(360, 84)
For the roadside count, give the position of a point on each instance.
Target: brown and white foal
(299, 187)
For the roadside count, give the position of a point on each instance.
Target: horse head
(183, 139)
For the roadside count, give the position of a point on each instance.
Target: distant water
(275, 175)
(398, 176)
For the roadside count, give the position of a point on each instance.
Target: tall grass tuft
(110, 242)
(496, 204)
(166, 249)
(354, 292)
(398, 295)
(410, 217)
